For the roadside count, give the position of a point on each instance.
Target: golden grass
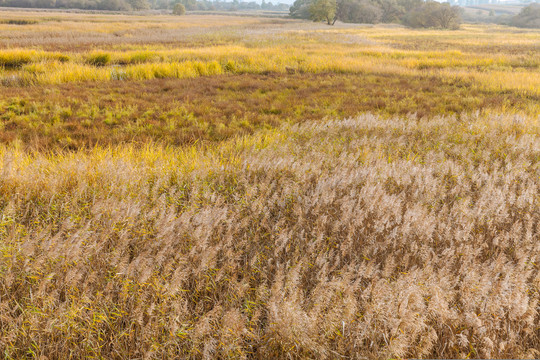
(497, 74)
(348, 49)
(354, 238)
(372, 236)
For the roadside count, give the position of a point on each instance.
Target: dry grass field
(225, 187)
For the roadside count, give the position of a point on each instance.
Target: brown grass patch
(179, 112)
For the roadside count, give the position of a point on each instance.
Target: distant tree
(139, 4)
(45, 3)
(160, 4)
(179, 9)
(190, 5)
(323, 10)
(433, 14)
(300, 9)
(359, 11)
(445, 16)
(355, 11)
(20, 3)
(391, 10)
(410, 4)
(528, 17)
(114, 5)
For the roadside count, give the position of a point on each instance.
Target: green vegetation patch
(19, 21)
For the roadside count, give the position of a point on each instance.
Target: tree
(433, 14)
(139, 4)
(300, 9)
(392, 10)
(190, 5)
(528, 17)
(114, 5)
(45, 3)
(323, 10)
(409, 5)
(446, 16)
(354, 11)
(179, 9)
(359, 11)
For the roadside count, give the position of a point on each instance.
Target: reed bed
(219, 187)
(357, 238)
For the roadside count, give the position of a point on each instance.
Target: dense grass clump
(15, 59)
(98, 59)
(19, 21)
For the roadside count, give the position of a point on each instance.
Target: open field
(212, 187)
(217, 76)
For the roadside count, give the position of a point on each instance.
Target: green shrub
(179, 9)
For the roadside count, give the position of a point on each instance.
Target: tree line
(414, 13)
(113, 5)
(137, 5)
(204, 5)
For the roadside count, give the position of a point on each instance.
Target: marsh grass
(98, 59)
(362, 237)
(19, 21)
(258, 46)
(16, 58)
(215, 108)
(508, 72)
(213, 187)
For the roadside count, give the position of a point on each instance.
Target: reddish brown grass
(178, 112)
